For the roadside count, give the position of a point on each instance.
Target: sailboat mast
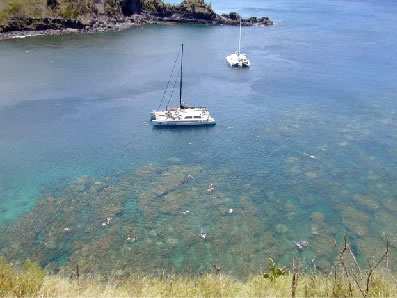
(180, 88)
(239, 40)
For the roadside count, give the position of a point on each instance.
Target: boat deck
(185, 116)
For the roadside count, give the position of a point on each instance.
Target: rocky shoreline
(26, 27)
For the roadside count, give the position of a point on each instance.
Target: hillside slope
(108, 15)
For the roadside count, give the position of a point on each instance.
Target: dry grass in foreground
(31, 281)
(346, 278)
(213, 286)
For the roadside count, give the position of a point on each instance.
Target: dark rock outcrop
(36, 24)
(199, 11)
(123, 14)
(129, 7)
(233, 18)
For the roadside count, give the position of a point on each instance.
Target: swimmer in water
(202, 233)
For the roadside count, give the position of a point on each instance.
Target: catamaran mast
(239, 40)
(180, 88)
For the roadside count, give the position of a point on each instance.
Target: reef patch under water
(153, 219)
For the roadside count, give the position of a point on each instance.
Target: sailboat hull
(235, 60)
(182, 115)
(182, 123)
(188, 116)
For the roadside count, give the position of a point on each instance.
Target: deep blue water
(311, 127)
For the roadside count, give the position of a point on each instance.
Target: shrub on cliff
(10, 8)
(112, 7)
(198, 9)
(25, 281)
(52, 3)
(71, 9)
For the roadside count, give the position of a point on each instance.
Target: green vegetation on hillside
(68, 9)
(71, 9)
(10, 8)
(24, 281)
(42, 8)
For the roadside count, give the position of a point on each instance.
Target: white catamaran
(237, 59)
(181, 115)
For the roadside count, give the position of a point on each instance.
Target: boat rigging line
(173, 88)
(172, 71)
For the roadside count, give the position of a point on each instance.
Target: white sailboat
(182, 115)
(237, 59)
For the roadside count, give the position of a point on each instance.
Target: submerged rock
(390, 204)
(323, 246)
(172, 242)
(307, 202)
(318, 217)
(174, 160)
(281, 228)
(311, 175)
(366, 202)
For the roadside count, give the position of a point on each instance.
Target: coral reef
(154, 218)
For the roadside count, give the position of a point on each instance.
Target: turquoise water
(304, 147)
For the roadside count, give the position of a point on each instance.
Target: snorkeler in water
(300, 244)
(203, 235)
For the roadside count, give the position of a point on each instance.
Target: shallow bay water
(304, 147)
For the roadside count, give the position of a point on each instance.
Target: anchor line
(172, 71)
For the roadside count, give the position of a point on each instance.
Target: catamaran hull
(239, 65)
(182, 123)
(182, 115)
(233, 63)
